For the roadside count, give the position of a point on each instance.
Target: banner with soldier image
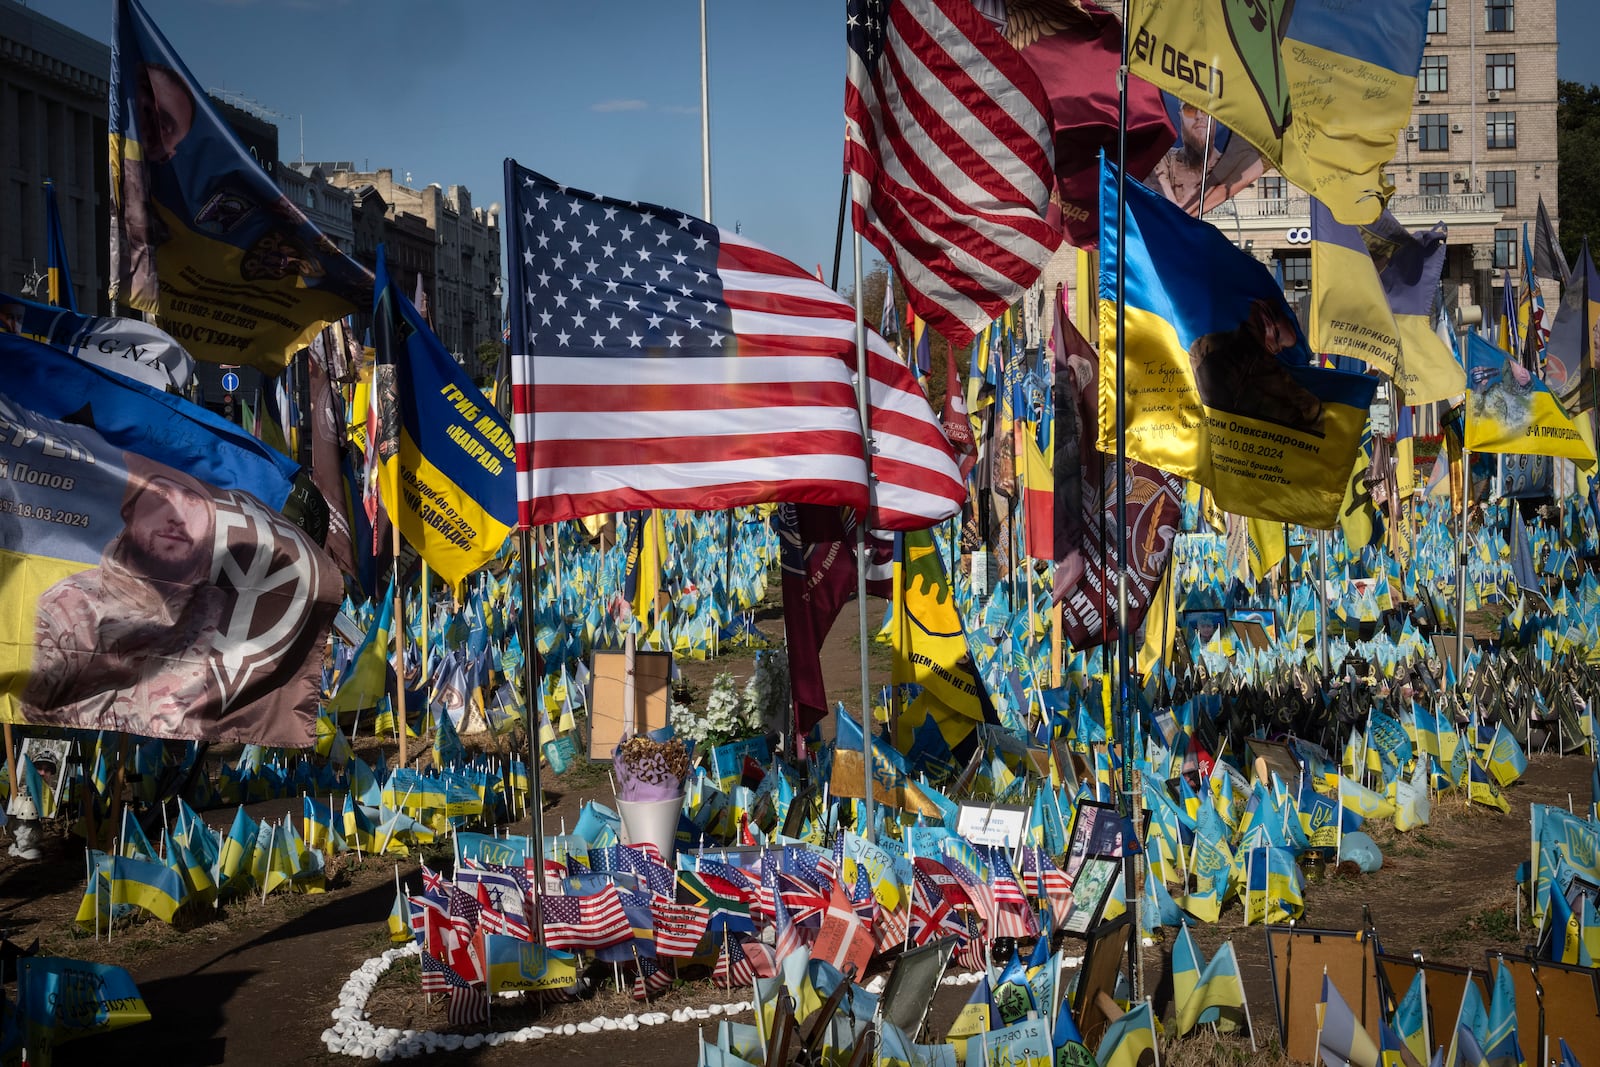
(142, 600)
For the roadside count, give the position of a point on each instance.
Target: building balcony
(1268, 217)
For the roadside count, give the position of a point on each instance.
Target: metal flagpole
(705, 119)
(1131, 890)
(1322, 602)
(530, 693)
(1461, 566)
(864, 410)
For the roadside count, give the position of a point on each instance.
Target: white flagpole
(864, 410)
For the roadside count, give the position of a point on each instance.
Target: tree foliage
(1578, 149)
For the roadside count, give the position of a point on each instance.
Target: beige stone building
(463, 285)
(1477, 154)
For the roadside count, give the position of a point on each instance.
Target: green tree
(1578, 149)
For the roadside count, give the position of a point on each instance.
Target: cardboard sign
(609, 720)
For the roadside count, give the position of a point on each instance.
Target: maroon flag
(954, 422)
(949, 152)
(818, 550)
(1086, 507)
(1075, 52)
(327, 470)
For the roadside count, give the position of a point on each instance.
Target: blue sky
(603, 95)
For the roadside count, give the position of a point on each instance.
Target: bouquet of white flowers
(726, 718)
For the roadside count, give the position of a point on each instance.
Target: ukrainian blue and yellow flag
(1320, 89)
(1221, 385)
(61, 999)
(451, 451)
(1411, 269)
(153, 886)
(59, 270)
(1509, 409)
(192, 208)
(1350, 314)
(515, 964)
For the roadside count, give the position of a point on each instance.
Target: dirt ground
(255, 982)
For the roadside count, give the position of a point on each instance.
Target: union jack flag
(803, 900)
(432, 881)
(815, 868)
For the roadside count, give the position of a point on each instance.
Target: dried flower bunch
(650, 770)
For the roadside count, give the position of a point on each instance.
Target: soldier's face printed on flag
(166, 112)
(170, 530)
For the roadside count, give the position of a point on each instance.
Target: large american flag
(660, 362)
(950, 153)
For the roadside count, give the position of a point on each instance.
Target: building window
(1435, 133)
(1498, 16)
(1501, 70)
(1434, 77)
(1502, 129)
(1273, 187)
(1503, 187)
(1434, 183)
(1296, 268)
(1438, 16)
(1505, 248)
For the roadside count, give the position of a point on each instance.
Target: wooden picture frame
(1298, 958)
(1102, 961)
(609, 720)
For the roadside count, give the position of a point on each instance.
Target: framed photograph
(1096, 830)
(1091, 889)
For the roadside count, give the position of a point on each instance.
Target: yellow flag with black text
(448, 474)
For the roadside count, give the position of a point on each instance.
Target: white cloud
(620, 105)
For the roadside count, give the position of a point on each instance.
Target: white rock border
(353, 1035)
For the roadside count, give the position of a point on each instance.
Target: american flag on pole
(433, 974)
(679, 927)
(586, 922)
(468, 1004)
(661, 362)
(950, 152)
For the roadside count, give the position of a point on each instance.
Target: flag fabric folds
(200, 235)
(1221, 388)
(737, 365)
(61, 999)
(949, 150)
(1283, 75)
(131, 347)
(448, 464)
(138, 417)
(1512, 410)
(148, 602)
(1075, 49)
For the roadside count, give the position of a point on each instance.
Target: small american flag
(733, 966)
(651, 979)
(586, 922)
(679, 927)
(661, 362)
(950, 153)
(433, 974)
(463, 912)
(469, 1005)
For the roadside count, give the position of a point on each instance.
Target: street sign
(230, 381)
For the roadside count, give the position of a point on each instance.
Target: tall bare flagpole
(864, 410)
(1124, 647)
(705, 119)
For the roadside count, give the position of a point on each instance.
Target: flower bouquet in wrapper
(650, 787)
